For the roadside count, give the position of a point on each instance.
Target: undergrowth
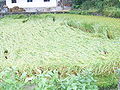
(12, 79)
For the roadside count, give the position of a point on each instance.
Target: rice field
(60, 41)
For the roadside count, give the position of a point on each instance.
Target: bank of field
(64, 42)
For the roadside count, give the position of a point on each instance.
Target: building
(38, 5)
(31, 3)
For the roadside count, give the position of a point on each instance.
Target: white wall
(35, 3)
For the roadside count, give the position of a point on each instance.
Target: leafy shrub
(87, 5)
(112, 12)
(76, 6)
(82, 81)
(103, 6)
(10, 79)
(100, 4)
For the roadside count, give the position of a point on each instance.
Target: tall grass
(92, 28)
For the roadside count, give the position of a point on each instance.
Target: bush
(12, 79)
(112, 12)
(87, 4)
(100, 5)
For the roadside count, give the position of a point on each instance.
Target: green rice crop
(55, 41)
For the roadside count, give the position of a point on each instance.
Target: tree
(100, 4)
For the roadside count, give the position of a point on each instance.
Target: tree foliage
(100, 4)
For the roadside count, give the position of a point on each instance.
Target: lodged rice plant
(68, 43)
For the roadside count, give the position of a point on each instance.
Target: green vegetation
(112, 12)
(12, 79)
(110, 8)
(62, 42)
(95, 4)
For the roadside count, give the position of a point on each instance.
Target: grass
(69, 43)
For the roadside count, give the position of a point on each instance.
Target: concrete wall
(35, 3)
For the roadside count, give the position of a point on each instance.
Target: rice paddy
(57, 41)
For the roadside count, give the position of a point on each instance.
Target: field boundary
(52, 12)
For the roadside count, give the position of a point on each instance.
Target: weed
(50, 80)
